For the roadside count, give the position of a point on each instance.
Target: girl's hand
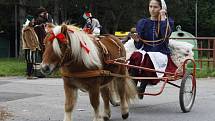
(163, 14)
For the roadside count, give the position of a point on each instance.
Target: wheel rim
(188, 93)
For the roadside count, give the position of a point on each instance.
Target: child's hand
(136, 37)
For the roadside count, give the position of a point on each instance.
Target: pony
(80, 57)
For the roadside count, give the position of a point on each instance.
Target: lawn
(12, 67)
(17, 67)
(204, 73)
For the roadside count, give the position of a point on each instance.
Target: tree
(114, 15)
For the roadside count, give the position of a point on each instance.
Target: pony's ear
(64, 29)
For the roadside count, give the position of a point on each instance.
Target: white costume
(95, 25)
(92, 23)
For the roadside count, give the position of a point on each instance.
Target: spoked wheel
(187, 92)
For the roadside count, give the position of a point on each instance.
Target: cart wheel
(187, 92)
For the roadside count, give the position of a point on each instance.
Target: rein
(148, 42)
(102, 73)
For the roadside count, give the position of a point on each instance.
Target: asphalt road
(43, 100)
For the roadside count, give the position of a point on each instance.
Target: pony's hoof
(114, 103)
(125, 116)
(106, 118)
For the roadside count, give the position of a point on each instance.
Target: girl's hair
(159, 1)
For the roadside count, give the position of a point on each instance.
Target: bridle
(67, 51)
(63, 40)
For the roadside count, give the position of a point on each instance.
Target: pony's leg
(70, 100)
(105, 92)
(94, 100)
(123, 98)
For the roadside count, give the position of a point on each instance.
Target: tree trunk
(118, 18)
(21, 18)
(56, 12)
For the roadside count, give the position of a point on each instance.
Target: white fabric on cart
(129, 47)
(158, 59)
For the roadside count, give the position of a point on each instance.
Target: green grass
(17, 67)
(12, 67)
(205, 73)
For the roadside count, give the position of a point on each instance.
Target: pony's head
(66, 44)
(56, 43)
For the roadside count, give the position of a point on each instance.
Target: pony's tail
(130, 90)
(123, 86)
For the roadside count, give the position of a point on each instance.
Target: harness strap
(84, 74)
(103, 47)
(103, 73)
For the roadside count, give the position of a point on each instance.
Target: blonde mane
(91, 59)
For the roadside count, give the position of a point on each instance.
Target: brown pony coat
(94, 85)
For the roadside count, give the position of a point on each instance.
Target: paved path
(43, 100)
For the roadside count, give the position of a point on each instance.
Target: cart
(186, 73)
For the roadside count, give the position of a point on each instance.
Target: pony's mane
(74, 28)
(79, 38)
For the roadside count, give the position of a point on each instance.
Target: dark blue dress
(147, 30)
